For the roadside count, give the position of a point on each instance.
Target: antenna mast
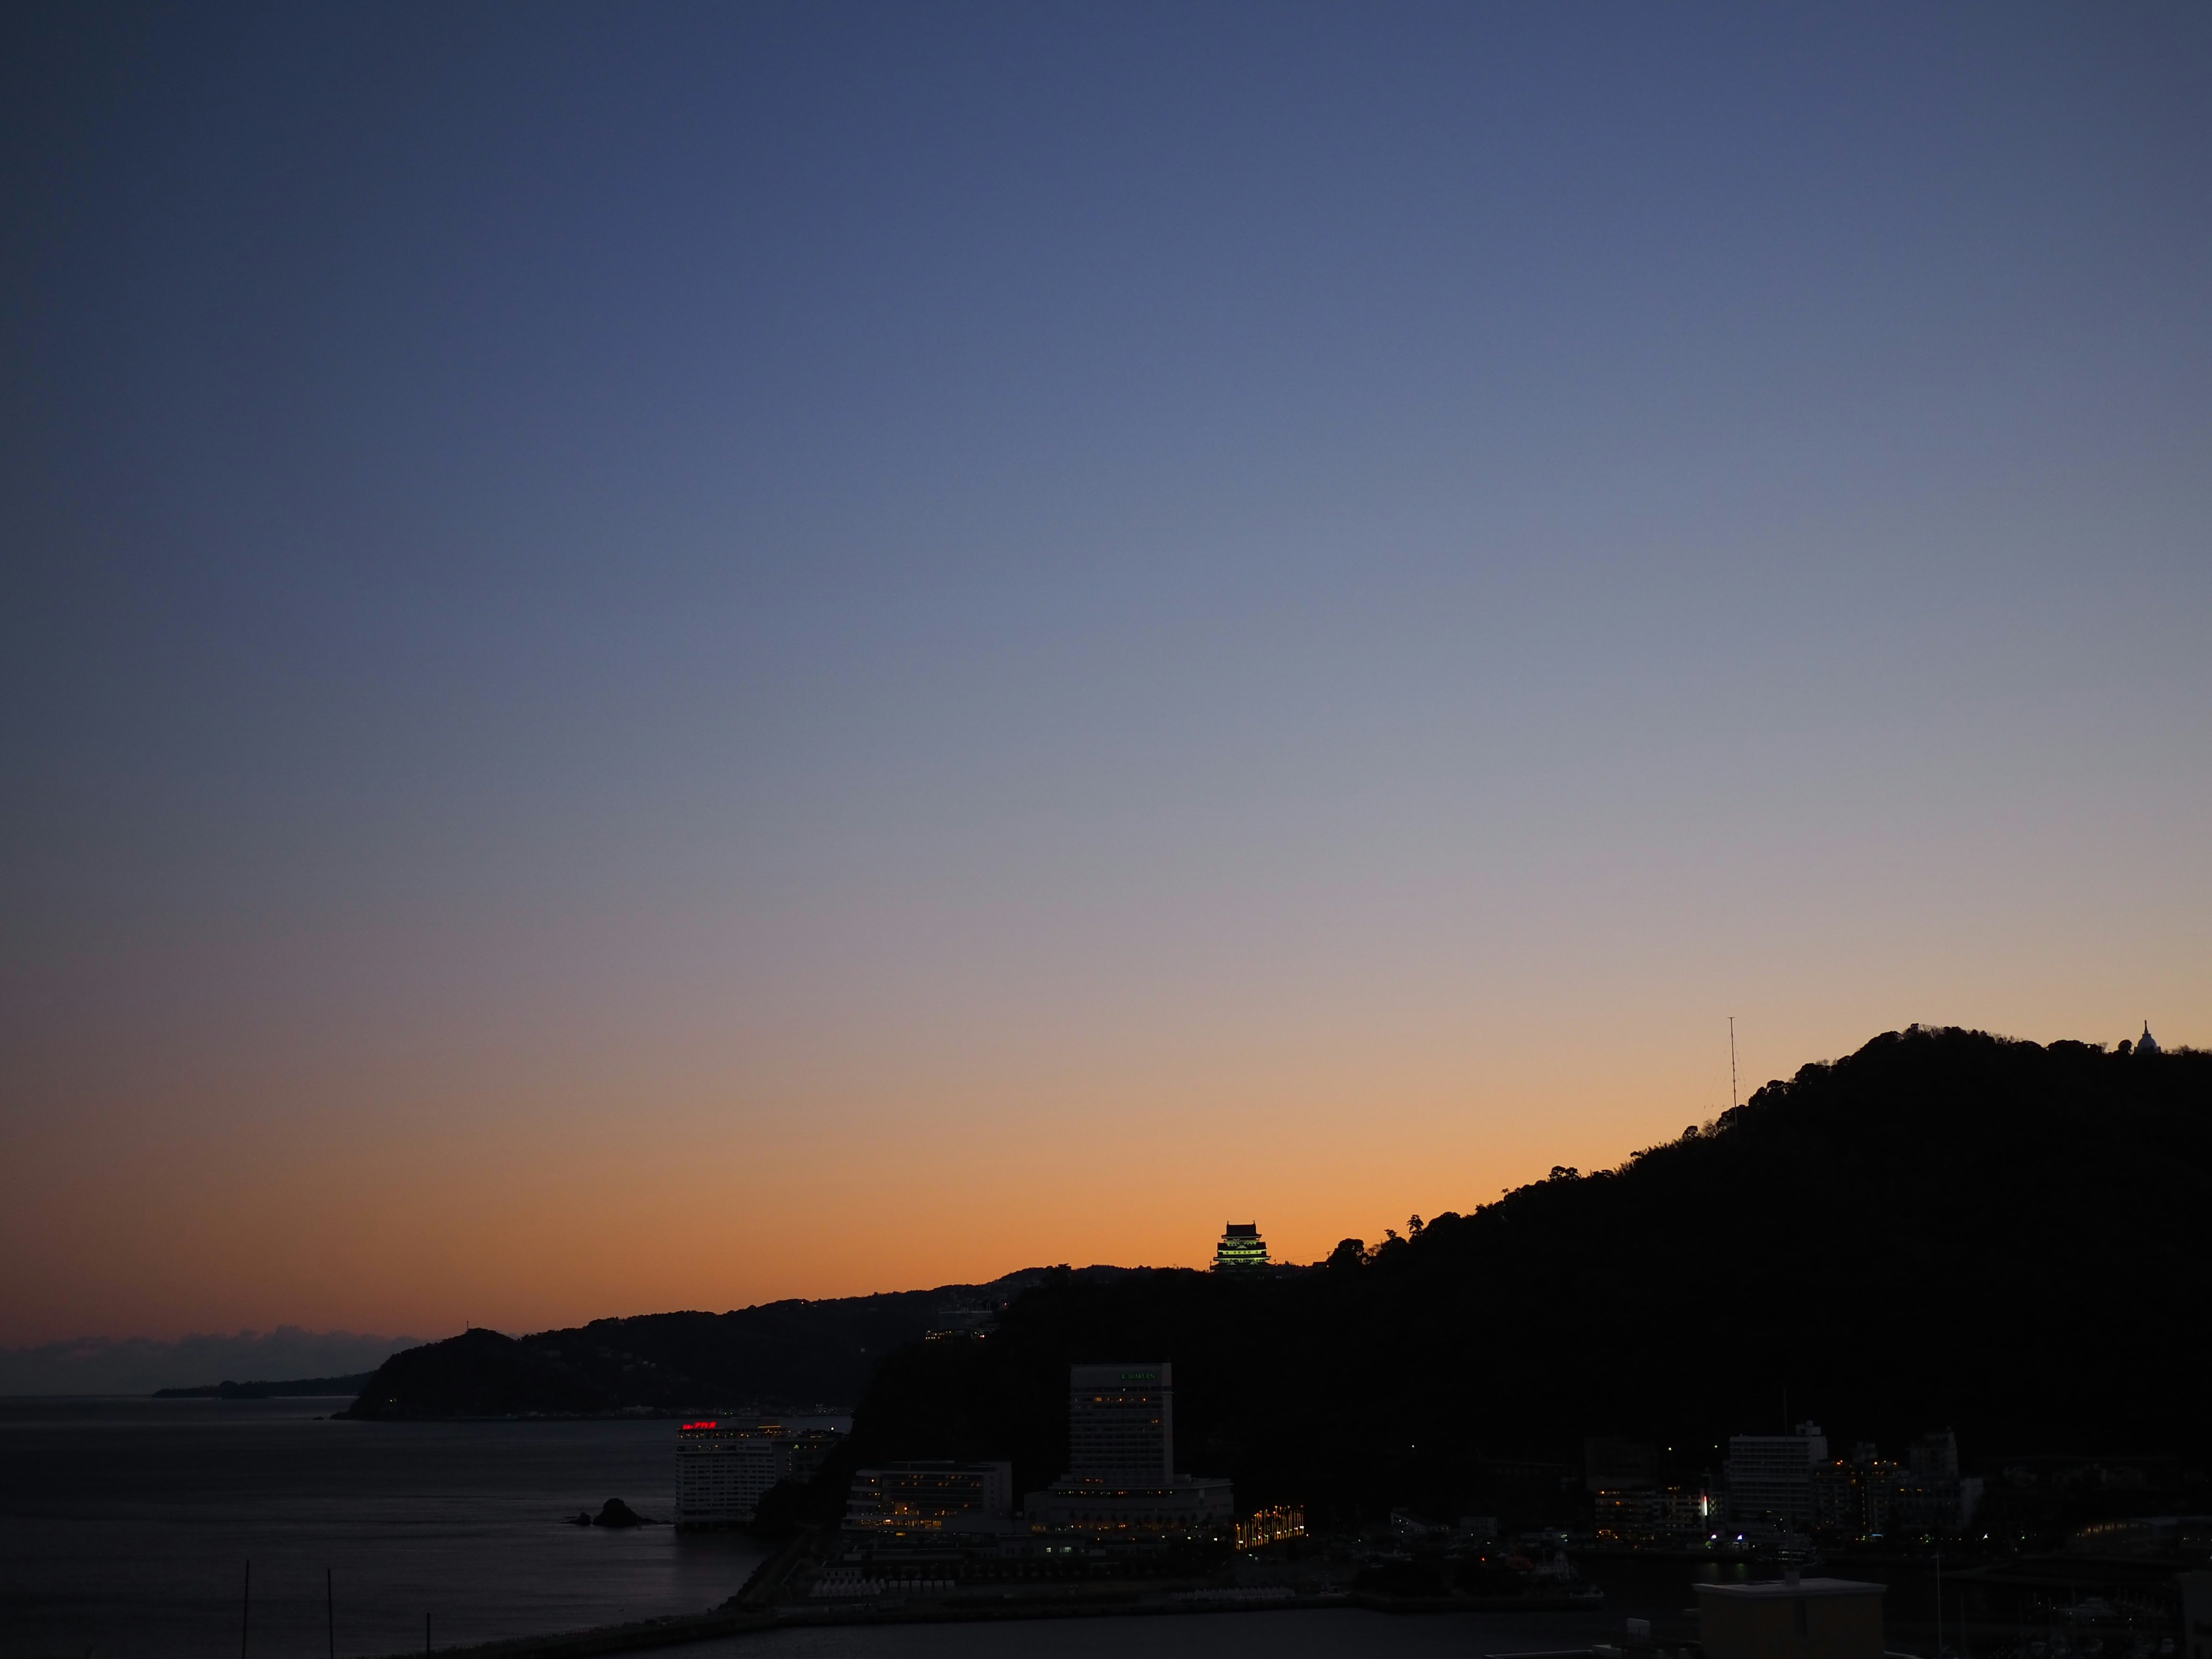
(1732, 1083)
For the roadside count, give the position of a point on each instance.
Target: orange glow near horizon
(524, 1211)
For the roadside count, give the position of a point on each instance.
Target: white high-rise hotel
(1770, 1476)
(725, 1468)
(1121, 1478)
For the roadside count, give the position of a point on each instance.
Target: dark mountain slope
(781, 1354)
(1946, 1228)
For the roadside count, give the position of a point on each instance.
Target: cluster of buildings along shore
(1781, 1489)
(939, 1518)
(1120, 1482)
(1773, 1490)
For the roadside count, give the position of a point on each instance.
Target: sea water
(126, 1527)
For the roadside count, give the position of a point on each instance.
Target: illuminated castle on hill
(1240, 1249)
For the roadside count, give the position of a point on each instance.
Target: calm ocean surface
(125, 1526)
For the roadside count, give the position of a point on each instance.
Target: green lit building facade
(1242, 1249)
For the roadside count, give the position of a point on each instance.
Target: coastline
(676, 1630)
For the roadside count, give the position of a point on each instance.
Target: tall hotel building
(1770, 1476)
(1120, 1424)
(725, 1468)
(1120, 1480)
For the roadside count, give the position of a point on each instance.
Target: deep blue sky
(859, 591)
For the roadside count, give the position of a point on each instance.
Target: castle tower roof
(1241, 1249)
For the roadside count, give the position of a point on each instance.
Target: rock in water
(615, 1513)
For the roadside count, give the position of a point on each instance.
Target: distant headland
(304, 1386)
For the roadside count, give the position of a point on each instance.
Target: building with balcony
(922, 1502)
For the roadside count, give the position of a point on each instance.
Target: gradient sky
(664, 656)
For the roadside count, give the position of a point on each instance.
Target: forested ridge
(1945, 1229)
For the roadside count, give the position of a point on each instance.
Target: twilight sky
(663, 656)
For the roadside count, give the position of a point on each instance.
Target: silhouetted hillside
(781, 1354)
(1946, 1228)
